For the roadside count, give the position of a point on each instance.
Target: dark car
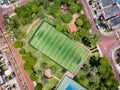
(13, 74)
(8, 63)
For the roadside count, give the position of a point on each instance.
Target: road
(108, 43)
(23, 77)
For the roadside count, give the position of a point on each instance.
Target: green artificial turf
(58, 47)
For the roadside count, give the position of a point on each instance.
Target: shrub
(18, 44)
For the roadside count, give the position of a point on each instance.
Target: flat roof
(107, 2)
(69, 84)
(115, 21)
(111, 11)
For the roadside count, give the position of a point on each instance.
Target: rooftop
(69, 84)
(111, 11)
(115, 21)
(107, 2)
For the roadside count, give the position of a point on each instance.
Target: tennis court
(58, 47)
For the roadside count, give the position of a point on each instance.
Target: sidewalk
(20, 64)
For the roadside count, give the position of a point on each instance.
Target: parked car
(13, 74)
(95, 20)
(8, 63)
(98, 27)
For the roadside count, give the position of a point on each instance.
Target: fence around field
(58, 47)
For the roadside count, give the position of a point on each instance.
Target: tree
(74, 8)
(45, 3)
(33, 77)
(54, 9)
(80, 7)
(18, 44)
(87, 25)
(79, 22)
(65, 27)
(86, 41)
(102, 69)
(103, 88)
(83, 33)
(67, 17)
(58, 21)
(83, 16)
(74, 35)
(59, 27)
(40, 14)
(57, 2)
(94, 38)
(58, 14)
(28, 68)
(70, 2)
(39, 86)
(108, 83)
(93, 61)
(22, 51)
(104, 61)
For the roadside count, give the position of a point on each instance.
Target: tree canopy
(39, 86)
(79, 22)
(18, 44)
(67, 17)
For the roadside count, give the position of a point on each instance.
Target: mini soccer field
(58, 47)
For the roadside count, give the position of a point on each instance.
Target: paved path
(32, 25)
(108, 42)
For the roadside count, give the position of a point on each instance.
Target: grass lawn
(58, 47)
(48, 84)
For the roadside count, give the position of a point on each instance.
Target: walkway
(32, 25)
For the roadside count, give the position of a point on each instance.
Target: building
(106, 3)
(111, 12)
(69, 84)
(115, 22)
